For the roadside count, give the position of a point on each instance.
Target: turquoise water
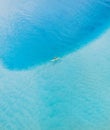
(71, 94)
(36, 31)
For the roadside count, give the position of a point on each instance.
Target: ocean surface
(70, 94)
(33, 32)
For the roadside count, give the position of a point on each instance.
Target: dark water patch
(53, 30)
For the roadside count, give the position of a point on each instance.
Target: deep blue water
(71, 94)
(34, 32)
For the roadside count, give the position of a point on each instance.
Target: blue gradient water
(34, 32)
(72, 94)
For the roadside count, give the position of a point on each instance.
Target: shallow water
(71, 94)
